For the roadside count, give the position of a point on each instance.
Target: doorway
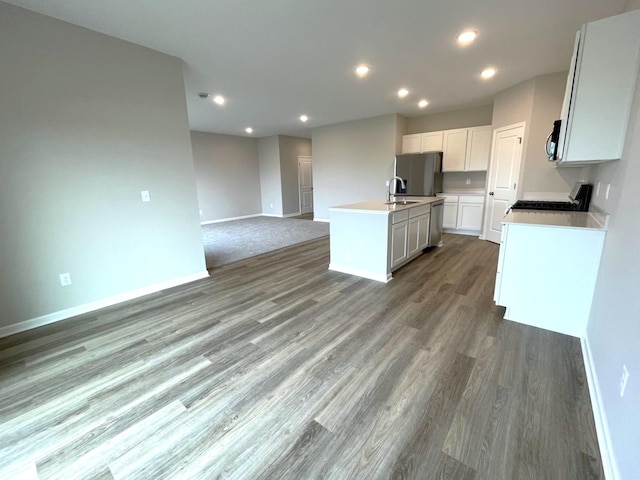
(504, 170)
(305, 184)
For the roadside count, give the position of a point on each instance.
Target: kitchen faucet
(392, 181)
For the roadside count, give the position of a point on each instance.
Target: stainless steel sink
(402, 202)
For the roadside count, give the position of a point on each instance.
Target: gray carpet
(228, 242)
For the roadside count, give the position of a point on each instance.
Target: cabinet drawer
(399, 216)
(471, 199)
(417, 211)
(449, 198)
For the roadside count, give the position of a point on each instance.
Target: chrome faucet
(392, 181)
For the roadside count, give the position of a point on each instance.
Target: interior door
(305, 182)
(503, 178)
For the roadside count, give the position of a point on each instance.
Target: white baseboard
(474, 233)
(609, 464)
(90, 307)
(361, 273)
(325, 220)
(208, 222)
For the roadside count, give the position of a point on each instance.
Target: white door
(305, 182)
(503, 177)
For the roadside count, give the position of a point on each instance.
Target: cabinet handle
(490, 193)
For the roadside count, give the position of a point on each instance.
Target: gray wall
(537, 102)
(614, 326)
(227, 175)
(290, 149)
(270, 181)
(86, 123)
(352, 161)
(463, 118)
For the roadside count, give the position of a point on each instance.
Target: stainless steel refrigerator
(421, 172)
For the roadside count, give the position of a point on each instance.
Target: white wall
(227, 175)
(352, 161)
(87, 122)
(290, 149)
(613, 332)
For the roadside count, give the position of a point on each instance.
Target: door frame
(496, 131)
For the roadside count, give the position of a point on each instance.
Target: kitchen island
(547, 268)
(372, 239)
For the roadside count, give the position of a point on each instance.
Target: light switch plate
(145, 196)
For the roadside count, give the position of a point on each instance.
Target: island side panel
(359, 243)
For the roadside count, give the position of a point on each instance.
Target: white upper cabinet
(464, 149)
(431, 142)
(478, 148)
(411, 143)
(454, 150)
(599, 90)
(422, 142)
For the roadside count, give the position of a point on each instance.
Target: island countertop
(380, 207)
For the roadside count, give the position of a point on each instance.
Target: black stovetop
(544, 205)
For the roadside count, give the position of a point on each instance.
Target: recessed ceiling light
(423, 103)
(362, 70)
(466, 37)
(488, 72)
(303, 118)
(219, 99)
(248, 130)
(403, 92)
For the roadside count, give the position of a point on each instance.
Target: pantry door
(504, 169)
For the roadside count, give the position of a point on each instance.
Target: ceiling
(275, 60)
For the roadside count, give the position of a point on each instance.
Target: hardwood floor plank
(276, 367)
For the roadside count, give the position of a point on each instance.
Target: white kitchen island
(372, 239)
(547, 268)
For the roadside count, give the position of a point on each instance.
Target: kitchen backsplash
(458, 181)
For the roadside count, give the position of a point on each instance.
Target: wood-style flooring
(276, 368)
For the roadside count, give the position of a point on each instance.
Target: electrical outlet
(65, 279)
(606, 194)
(623, 380)
(468, 181)
(145, 196)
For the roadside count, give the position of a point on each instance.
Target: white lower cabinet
(418, 238)
(546, 275)
(409, 234)
(470, 209)
(399, 237)
(463, 213)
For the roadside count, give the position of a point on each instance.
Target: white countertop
(590, 220)
(379, 206)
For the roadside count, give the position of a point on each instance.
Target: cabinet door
(418, 234)
(411, 143)
(414, 233)
(399, 253)
(470, 216)
(450, 215)
(455, 150)
(431, 142)
(598, 104)
(423, 231)
(478, 148)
